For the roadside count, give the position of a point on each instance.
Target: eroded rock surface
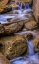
(31, 24)
(13, 46)
(10, 28)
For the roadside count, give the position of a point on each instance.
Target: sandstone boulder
(31, 24)
(13, 46)
(10, 28)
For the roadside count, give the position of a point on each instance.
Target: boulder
(13, 46)
(36, 9)
(3, 59)
(10, 28)
(13, 27)
(31, 24)
(6, 9)
(36, 44)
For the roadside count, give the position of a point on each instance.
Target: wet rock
(36, 44)
(13, 46)
(1, 29)
(11, 28)
(31, 24)
(3, 59)
(36, 9)
(6, 9)
(30, 36)
(27, 11)
(17, 12)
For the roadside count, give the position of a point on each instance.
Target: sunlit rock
(6, 9)
(3, 59)
(36, 44)
(11, 28)
(31, 24)
(13, 46)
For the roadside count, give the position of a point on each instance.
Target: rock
(27, 11)
(3, 3)
(36, 44)
(36, 9)
(6, 9)
(1, 29)
(3, 59)
(31, 24)
(13, 46)
(11, 28)
(17, 12)
(27, 1)
(30, 36)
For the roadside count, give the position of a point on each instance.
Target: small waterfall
(30, 47)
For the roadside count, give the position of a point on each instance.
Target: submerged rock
(17, 12)
(13, 46)
(3, 59)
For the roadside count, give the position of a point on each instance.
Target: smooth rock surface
(3, 59)
(31, 24)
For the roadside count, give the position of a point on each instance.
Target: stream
(31, 58)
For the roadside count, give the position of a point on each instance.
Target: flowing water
(30, 47)
(31, 58)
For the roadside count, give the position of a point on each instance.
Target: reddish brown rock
(36, 9)
(3, 59)
(30, 25)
